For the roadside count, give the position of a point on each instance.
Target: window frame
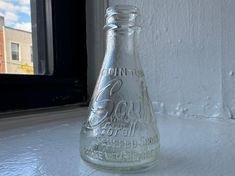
(31, 53)
(66, 84)
(17, 43)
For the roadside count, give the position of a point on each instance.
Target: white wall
(228, 56)
(188, 55)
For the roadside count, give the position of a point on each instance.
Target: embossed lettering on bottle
(120, 133)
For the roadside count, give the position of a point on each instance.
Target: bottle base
(110, 167)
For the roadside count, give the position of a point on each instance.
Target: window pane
(17, 38)
(15, 51)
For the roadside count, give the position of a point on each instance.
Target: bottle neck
(122, 31)
(123, 41)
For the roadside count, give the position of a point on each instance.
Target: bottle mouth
(121, 9)
(122, 16)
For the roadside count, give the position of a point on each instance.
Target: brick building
(16, 55)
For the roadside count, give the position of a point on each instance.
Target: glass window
(20, 21)
(15, 54)
(58, 74)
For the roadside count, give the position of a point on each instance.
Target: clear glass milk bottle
(120, 133)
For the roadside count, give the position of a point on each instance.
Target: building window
(15, 55)
(31, 53)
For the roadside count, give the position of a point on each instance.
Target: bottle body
(121, 131)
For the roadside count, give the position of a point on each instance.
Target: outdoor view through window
(16, 51)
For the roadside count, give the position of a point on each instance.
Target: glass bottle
(120, 133)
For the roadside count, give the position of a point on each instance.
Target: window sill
(49, 145)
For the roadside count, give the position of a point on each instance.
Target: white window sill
(48, 145)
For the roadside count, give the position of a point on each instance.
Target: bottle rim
(121, 9)
(122, 16)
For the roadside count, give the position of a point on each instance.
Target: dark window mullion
(67, 84)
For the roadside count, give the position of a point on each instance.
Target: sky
(16, 13)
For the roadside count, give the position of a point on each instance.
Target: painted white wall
(188, 55)
(228, 56)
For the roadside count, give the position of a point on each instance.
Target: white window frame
(31, 53)
(19, 51)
